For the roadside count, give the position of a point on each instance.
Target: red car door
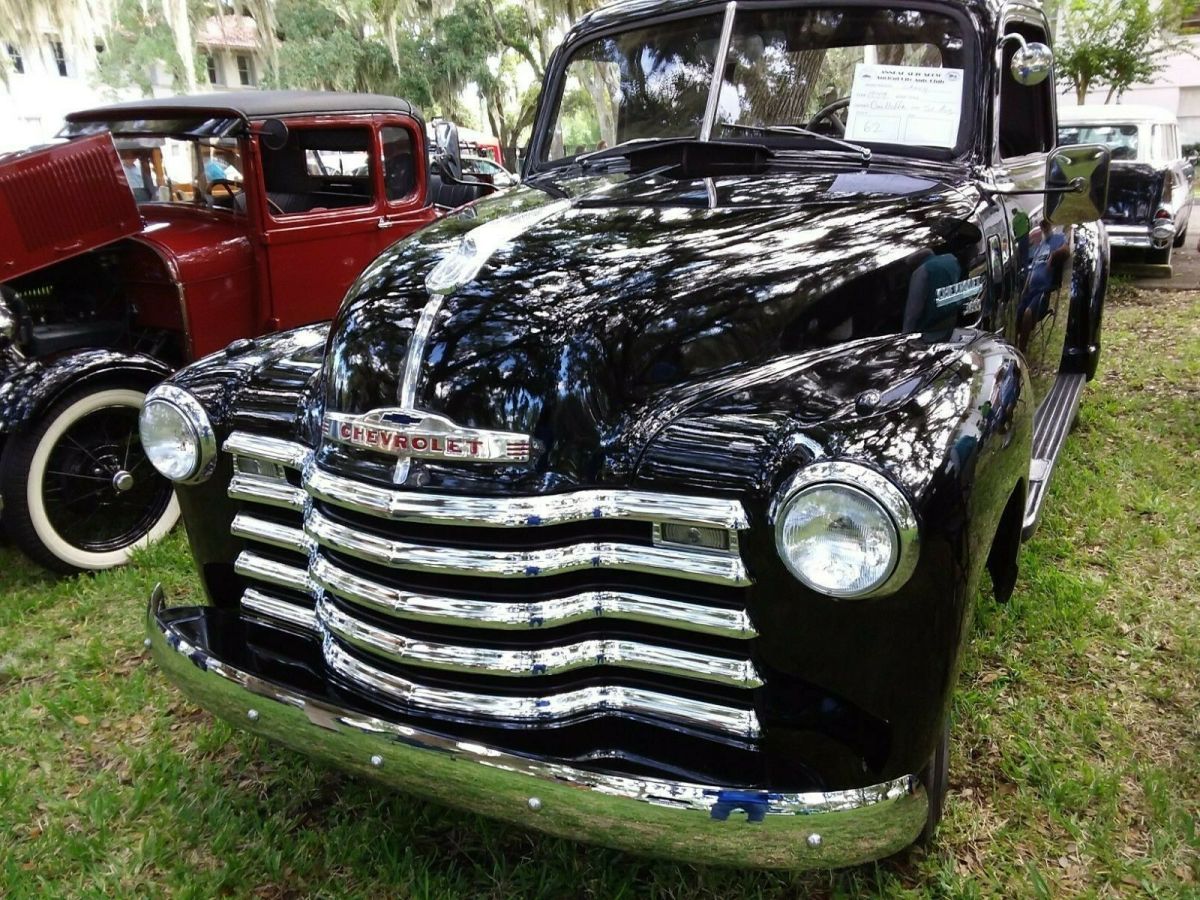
(324, 208)
(404, 178)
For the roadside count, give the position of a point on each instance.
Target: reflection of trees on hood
(641, 289)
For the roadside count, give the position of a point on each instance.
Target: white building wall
(34, 103)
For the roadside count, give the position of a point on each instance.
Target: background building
(49, 77)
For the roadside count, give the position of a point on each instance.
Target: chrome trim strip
(530, 615)
(697, 565)
(260, 603)
(256, 489)
(690, 821)
(718, 81)
(504, 512)
(285, 453)
(406, 394)
(252, 565)
(584, 654)
(285, 537)
(535, 709)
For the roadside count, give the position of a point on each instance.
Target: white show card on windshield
(914, 105)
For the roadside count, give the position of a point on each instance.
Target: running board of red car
(1051, 424)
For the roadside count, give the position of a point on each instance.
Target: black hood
(620, 300)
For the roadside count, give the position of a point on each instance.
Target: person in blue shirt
(213, 170)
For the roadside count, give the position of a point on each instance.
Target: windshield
(1122, 140)
(893, 78)
(646, 83)
(205, 172)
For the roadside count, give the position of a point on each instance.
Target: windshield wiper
(864, 152)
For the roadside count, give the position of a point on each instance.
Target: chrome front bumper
(690, 822)
(1134, 236)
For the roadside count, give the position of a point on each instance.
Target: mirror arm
(1013, 36)
(1077, 186)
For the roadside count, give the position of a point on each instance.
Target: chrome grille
(321, 555)
(698, 565)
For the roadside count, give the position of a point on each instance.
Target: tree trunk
(601, 92)
(176, 13)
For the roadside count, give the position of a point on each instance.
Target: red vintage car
(160, 231)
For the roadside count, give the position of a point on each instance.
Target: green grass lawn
(1075, 759)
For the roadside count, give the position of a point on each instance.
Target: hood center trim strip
(407, 392)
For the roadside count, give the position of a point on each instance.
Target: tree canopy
(1117, 43)
(428, 51)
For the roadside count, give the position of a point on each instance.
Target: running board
(1051, 424)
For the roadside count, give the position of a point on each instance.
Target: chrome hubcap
(122, 481)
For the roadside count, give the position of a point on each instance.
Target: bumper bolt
(535, 803)
(377, 760)
(814, 840)
(252, 715)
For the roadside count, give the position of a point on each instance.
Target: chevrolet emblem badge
(422, 435)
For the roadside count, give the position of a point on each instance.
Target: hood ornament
(478, 245)
(414, 434)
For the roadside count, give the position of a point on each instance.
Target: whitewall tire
(79, 493)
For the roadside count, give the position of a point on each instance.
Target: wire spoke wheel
(91, 498)
(89, 494)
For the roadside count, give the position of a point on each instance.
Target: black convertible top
(247, 105)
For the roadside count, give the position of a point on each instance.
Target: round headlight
(176, 434)
(845, 530)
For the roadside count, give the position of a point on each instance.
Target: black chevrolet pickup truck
(648, 502)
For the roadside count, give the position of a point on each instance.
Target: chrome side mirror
(1077, 183)
(1031, 64)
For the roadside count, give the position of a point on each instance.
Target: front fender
(30, 387)
(267, 386)
(863, 686)
(1089, 284)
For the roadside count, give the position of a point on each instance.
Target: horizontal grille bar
(536, 661)
(550, 708)
(610, 604)
(253, 565)
(286, 537)
(259, 489)
(276, 450)
(500, 512)
(689, 563)
(261, 603)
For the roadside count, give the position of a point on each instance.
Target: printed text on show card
(905, 105)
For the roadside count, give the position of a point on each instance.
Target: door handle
(385, 222)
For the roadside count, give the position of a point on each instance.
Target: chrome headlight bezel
(193, 415)
(874, 486)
